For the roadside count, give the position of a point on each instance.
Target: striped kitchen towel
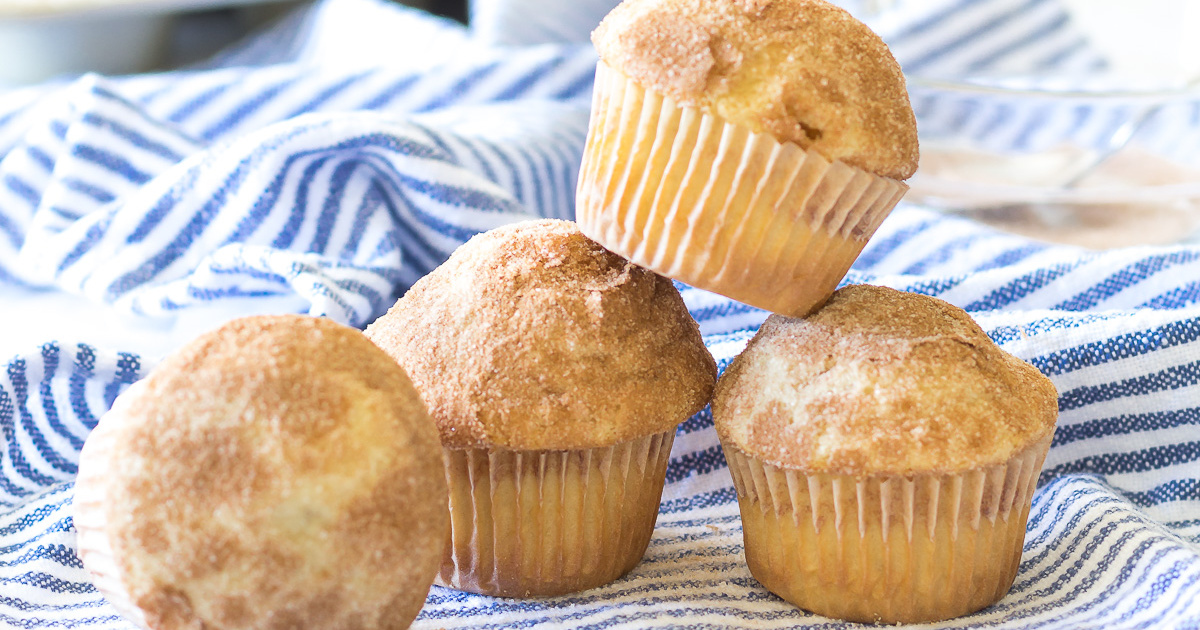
(325, 165)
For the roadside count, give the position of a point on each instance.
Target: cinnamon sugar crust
(532, 336)
(881, 381)
(278, 472)
(803, 71)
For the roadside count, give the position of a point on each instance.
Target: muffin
(746, 147)
(277, 472)
(557, 373)
(885, 452)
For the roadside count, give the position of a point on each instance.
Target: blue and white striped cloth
(325, 165)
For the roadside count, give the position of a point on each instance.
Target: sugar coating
(277, 472)
(881, 381)
(804, 71)
(533, 336)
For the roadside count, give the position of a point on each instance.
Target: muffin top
(803, 71)
(279, 471)
(881, 381)
(532, 336)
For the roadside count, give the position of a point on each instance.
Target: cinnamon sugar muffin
(557, 373)
(744, 146)
(277, 472)
(885, 452)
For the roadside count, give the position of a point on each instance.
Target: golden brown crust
(278, 472)
(532, 336)
(804, 71)
(881, 381)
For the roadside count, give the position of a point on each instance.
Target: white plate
(44, 39)
(33, 11)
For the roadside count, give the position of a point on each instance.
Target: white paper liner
(89, 517)
(887, 548)
(716, 206)
(542, 523)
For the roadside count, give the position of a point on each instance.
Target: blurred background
(1074, 121)
(46, 39)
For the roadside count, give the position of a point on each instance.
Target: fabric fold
(326, 164)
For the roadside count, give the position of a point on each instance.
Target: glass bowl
(1067, 160)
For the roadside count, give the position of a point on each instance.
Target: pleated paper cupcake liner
(716, 206)
(543, 523)
(886, 549)
(90, 518)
